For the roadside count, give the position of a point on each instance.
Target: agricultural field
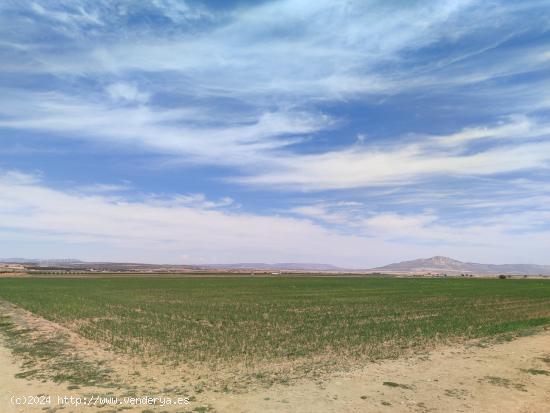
(281, 344)
(228, 321)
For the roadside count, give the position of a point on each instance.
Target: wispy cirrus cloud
(183, 131)
(329, 50)
(526, 147)
(419, 115)
(127, 93)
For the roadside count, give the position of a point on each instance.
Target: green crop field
(250, 320)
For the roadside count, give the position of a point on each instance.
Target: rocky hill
(439, 264)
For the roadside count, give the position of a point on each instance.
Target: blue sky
(348, 132)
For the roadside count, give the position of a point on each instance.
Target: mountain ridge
(294, 266)
(441, 263)
(435, 265)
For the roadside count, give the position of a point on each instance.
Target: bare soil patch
(500, 376)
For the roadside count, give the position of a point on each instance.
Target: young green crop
(271, 319)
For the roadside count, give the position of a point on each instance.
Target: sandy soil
(466, 378)
(13, 387)
(14, 393)
(509, 376)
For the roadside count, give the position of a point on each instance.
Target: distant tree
(502, 277)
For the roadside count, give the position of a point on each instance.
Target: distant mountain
(40, 261)
(434, 265)
(283, 266)
(439, 264)
(72, 264)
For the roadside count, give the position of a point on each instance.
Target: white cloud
(321, 212)
(397, 223)
(190, 200)
(73, 17)
(182, 131)
(297, 49)
(330, 49)
(274, 61)
(260, 145)
(99, 226)
(294, 50)
(164, 231)
(361, 166)
(103, 188)
(126, 92)
(179, 11)
(518, 127)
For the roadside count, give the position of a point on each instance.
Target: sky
(353, 133)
